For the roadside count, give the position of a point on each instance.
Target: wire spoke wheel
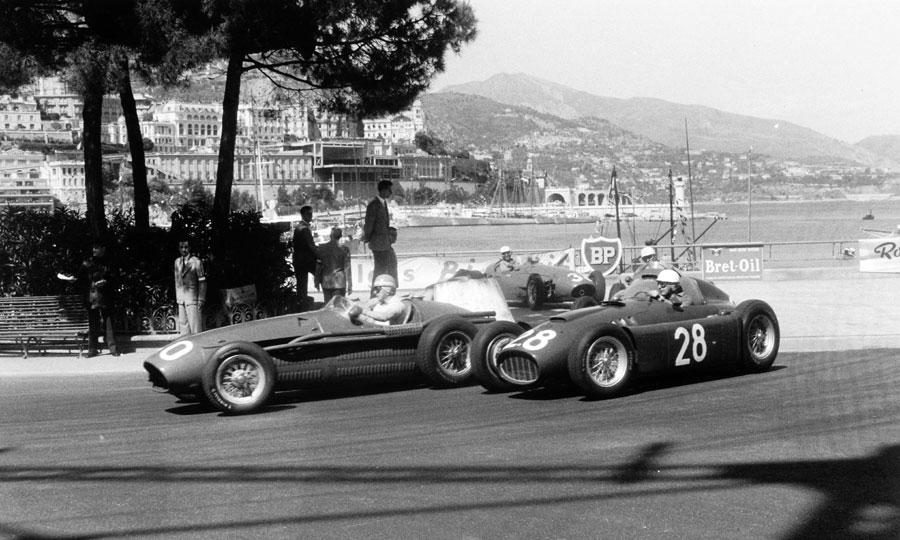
(453, 352)
(444, 350)
(607, 361)
(240, 377)
(761, 337)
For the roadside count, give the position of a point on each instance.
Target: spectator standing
(376, 232)
(304, 256)
(190, 289)
(333, 274)
(96, 279)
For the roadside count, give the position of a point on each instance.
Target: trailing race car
(237, 368)
(603, 348)
(537, 284)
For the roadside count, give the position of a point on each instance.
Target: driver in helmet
(383, 309)
(506, 262)
(668, 284)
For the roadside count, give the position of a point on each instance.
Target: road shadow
(859, 497)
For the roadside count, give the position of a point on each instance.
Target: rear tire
(599, 286)
(487, 343)
(239, 378)
(444, 351)
(760, 335)
(602, 363)
(535, 292)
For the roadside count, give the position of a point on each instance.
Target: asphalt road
(810, 449)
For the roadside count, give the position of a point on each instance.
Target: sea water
(759, 222)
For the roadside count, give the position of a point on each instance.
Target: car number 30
(695, 340)
(532, 340)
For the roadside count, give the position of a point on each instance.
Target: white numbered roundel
(538, 340)
(176, 350)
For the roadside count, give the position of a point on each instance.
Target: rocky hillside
(664, 122)
(883, 145)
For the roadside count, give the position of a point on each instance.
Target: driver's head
(385, 285)
(668, 280)
(648, 253)
(652, 270)
(506, 253)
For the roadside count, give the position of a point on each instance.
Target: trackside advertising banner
(879, 254)
(417, 272)
(732, 262)
(420, 272)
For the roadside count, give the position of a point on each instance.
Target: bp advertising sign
(733, 262)
(601, 253)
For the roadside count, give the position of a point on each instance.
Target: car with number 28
(603, 348)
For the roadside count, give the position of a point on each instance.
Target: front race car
(237, 368)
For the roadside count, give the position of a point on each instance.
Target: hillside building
(400, 127)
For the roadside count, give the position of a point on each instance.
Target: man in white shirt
(190, 289)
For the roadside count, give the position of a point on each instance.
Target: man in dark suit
(304, 256)
(334, 273)
(376, 231)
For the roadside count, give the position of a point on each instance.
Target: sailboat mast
(615, 182)
(671, 216)
(690, 189)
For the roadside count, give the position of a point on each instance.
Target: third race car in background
(537, 284)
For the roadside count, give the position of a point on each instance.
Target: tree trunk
(136, 145)
(93, 159)
(225, 170)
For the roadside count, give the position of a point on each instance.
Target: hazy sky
(830, 65)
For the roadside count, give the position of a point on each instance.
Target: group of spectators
(329, 263)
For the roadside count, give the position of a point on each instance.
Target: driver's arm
(385, 314)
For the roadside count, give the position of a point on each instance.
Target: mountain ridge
(664, 122)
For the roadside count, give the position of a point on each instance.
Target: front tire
(444, 351)
(487, 343)
(760, 335)
(239, 378)
(535, 292)
(603, 362)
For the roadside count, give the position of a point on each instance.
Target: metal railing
(775, 254)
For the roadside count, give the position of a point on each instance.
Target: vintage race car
(537, 284)
(603, 348)
(237, 368)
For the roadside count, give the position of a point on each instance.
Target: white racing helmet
(648, 251)
(505, 249)
(385, 280)
(668, 276)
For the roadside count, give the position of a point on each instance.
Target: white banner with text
(880, 254)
